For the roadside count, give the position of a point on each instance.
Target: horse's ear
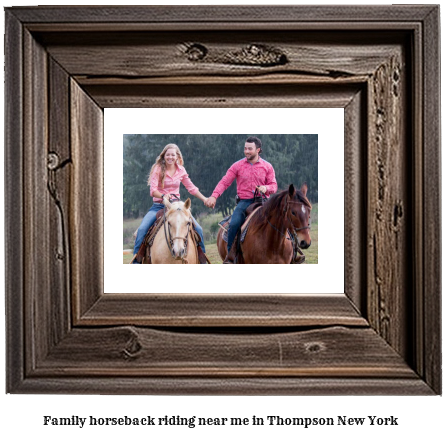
(187, 203)
(167, 203)
(291, 190)
(304, 188)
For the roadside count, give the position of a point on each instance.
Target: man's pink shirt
(171, 183)
(248, 176)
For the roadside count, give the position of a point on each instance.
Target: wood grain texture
(240, 310)
(355, 189)
(38, 305)
(226, 96)
(129, 351)
(226, 386)
(86, 201)
(174, 14)
(388, 203)
(14, 239)
(62, 69)
(59, 167)
(432, 334)
(417, 254)
(170, 54)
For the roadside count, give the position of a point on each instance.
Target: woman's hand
(166, 196)
(262, 189)
(210, 202)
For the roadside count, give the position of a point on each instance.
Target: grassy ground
(210, 227)
(127, 258)
(209, 223)
(312, 252)
(129, 226)
(211, 252)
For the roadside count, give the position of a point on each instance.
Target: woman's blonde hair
(161, 162)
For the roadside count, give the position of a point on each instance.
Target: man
(251, 173)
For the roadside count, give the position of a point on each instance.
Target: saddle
(225, 222)
(144, 253)
(235, 254)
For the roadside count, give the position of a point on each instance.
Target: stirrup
(232, 254)
(230, 257)
(134, 260)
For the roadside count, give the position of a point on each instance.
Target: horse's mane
(300, 197)
(177, 205)
(275, 204)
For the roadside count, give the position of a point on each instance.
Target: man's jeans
(237, 219)
(149, 220)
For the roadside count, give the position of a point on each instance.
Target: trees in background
(208, 157)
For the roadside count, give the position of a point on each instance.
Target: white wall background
(328, 123)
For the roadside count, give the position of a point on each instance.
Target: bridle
(286, 211)
(170, 240)
(293, 230)
(293, 236)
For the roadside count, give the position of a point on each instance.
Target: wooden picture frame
(65, 64)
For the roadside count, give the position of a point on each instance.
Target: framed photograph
(234, 171)
(379, 332)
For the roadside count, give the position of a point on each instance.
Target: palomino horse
(174, 242)
(267, 238)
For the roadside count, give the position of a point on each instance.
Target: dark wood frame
(64, 65)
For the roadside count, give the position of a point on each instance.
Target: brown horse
(267, 239)
(174, 242)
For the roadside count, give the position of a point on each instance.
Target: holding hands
(210, 202)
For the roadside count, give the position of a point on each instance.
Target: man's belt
(254, 199)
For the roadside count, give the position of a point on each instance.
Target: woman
(165, 177)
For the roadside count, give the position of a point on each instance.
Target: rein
(286, 209)
(259, 195)
(278, 231)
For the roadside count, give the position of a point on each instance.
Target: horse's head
(299, 214)
(178, 224)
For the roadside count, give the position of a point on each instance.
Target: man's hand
(262, 189)
(210, 202)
